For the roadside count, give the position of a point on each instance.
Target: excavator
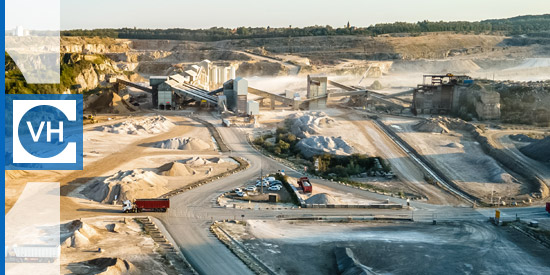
(90, 119)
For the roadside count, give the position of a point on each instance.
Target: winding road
(193, 211)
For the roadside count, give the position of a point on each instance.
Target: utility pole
(261, 177)
(492, 192)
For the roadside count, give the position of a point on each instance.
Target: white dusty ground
(336, 197)
(107, 153)
(460, 157)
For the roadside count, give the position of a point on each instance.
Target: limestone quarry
(403, 170)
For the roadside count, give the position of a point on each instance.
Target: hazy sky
(89, 14)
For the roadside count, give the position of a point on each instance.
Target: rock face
(88, 78)
(318, 145)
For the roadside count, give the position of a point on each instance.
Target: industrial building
(317, 89)
(438, 94)
(451, 94)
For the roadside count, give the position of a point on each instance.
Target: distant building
(20, 31)
(438, 94)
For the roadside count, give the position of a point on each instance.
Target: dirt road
(401, 164)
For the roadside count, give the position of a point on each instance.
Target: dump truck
(32, 253)
(150, 205)
(305, 184)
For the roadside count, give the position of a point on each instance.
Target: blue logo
(44, 132)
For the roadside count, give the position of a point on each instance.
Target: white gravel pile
(318, 145)
(304, 125)
(150, 125)
(197, 161)
(127, 185)
(183, 143)
(322, 198)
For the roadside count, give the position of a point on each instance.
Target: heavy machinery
(90, 119)
(305, 184)
(151, 205)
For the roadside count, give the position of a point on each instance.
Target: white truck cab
(127, 206)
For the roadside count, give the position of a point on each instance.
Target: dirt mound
(495, 173)
(111, 266)
(322, 198)
(376, 85)
(108, 102)
(126, 185)
(454, 145)
(216, 160)
(150, 125)
(538, 150)
(432, 125)
(304, 125)
(184, 143)
(196, 161)
(318, 145)
(176, 169)
(78, 234)
(348, 264)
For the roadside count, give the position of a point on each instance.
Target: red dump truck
(140, 205)
(305, 184)
(548, 207)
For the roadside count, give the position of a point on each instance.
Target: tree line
(511, 26)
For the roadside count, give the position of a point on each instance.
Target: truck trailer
(32, 253)
(305, 184)
(151, 205)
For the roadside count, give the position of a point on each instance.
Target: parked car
(274, 188)
(270, 178)
(237, 190)
(276, 182)
(241, 194)
(265, 183)
(251, 188)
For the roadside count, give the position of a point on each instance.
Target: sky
(91, 14)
